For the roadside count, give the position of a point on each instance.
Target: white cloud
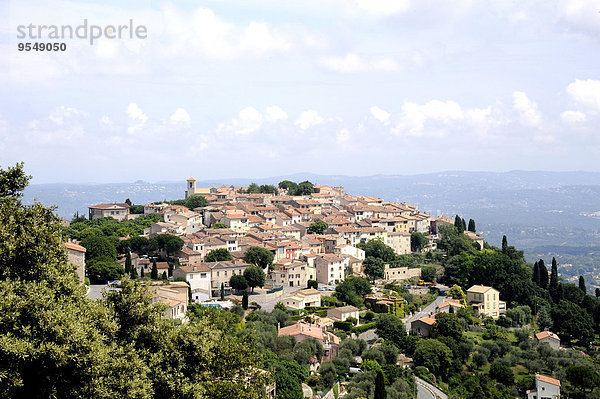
(380, 114)
(353, 63)
(181, 116)
(137, 117)
(382, 8)
(309, 119)
(546, 139)
(249, 120)
(275, 113)
(586, 93)
(62, 113)
(414, 116)
(528, 109)
(573, 117)
(580, 15)
(106, 122)
(343, 136)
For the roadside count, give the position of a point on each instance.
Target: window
(202, 275)
(217, 274)
(191, 276)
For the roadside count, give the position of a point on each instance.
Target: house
(175, 296)
(399, 241)
(479, 240)
(422, 326)
(342, 313)
(118, 211)
(545, 388)
(400, 273)
(330, 268)
(308, 297)
(76, 257)
(486, 300)
(345, 249)
(199, 278)
(404, 361)
(302, 331)
(385, 303)
(192, 190)
(188, 256)
(291, 273)
(221, 273)
(550, 338)
(448, 304)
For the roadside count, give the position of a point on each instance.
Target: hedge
(363, 328)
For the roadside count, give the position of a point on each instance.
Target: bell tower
(191, 187)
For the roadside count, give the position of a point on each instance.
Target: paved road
(424, 312)
(427, 391)
(307, 391)
(95, 291)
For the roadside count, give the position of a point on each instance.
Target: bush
(342, 325)
(363, 328)
(369, 315)
(502, 373)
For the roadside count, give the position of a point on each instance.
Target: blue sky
(262, 88)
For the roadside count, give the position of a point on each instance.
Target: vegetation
(217, 255)
(259, 256)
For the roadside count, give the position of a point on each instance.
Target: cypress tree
(458, 223)
(597, 292)
(504, 243)
(582, 284)
(472, 225)
(154, 271)
(128, 263)
(463, 224)
(163, 276)
(536, 274)
(222, 292)
(142, 272)
(245, 300)
(133, 273)
(380, 392)
(543, 273)
(553, 287)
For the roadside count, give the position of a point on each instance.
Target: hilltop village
(365, 297)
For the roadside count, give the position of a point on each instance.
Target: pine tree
(133, 273)
(543, 273)
(380, 392)
(245, 300)
(472, 225)
(582, 284)
(554, 287)
(222, 292)
(154, 271)
(128, 263)
(536, 274)
(504, 243)
(163, 276)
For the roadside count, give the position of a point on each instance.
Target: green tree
(238, 282)
(128, 265)
(459, 223)
(428, 273)
(164, 276)
(101, 270)
(544, 320)
(447, 325)
(328, 373)
(290, 186)
(434, 355)
(373, 268)
(219, 225)
(305, 188)
(245, 300)
(377, 249)
(418, 241)
(99, 247)
(255, 276)
(390, 327)
(583, 377)
(380, 392)
(582, 284)
(536, 274)
(553, 288)
(154, 271)
(312, 284)
(543, 274)
(502, 373)
(222, 292)
(352, 290)
(456, 292)
(504, 243)
(317, 227)
(217, 255)
(259, 256)
(195, 201)
(572, 322)
(472, 226)
(168, 242)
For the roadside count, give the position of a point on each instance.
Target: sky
(257, 88)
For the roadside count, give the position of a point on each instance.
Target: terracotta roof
(74, 246)
(427, 320)
(480, 289)
(548, 380)
(546, 334)
(109, 206)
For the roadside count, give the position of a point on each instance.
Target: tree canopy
(259, 256)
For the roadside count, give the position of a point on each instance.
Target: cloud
(586, 93)
(381, 115)
(382, 8)
(580, 15)
(414, 116)
(137, 118)
(248, 121)
(573, 117)
(309, 119)
(275, 113)
(343, 136)
(353, 63)
(528, 109)
(62, 113)
(181, 116)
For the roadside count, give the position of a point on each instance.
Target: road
(427, 391)
(424, 312)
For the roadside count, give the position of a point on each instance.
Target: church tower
(191, 187)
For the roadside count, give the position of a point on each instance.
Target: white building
(545, 388)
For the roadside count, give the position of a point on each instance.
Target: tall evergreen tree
(133, 273)
(142, 272)
(463, 224)
(543, 273)
(597, 292)
(458, 224)
(471, 225)
(554, 286)
(245, 300)
(582, 284)
(128, 263)
(380, 392)
(222, 292)
(536, 274)
(154, 271)
(504, 243)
